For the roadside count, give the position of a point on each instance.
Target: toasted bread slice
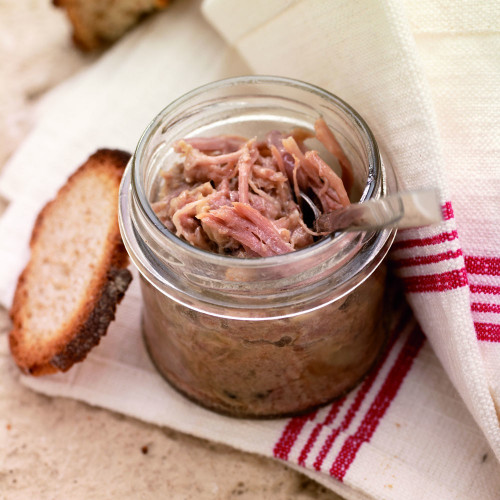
(97, 23)
(67, 294)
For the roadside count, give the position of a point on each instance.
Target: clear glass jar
(258, 337)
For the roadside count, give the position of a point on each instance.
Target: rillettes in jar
(266, 336)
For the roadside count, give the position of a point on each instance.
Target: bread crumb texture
(67, 294)
(98, 23)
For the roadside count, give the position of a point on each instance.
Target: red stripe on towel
(488, 332)
(489, 289)
(290, 435)
(379, 406)
(349, 417)
(295, 425)
(436, 282)
(336, 405)
(483, 265)
(447, 211)
(427, 259)
(485, 308)
(423, 242)
(360, 396)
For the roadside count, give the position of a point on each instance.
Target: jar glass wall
(266, 336)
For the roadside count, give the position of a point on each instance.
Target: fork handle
(401, 210)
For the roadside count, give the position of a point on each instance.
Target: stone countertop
(55, 448)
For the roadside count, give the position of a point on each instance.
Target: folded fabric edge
(236, 21)
(60, 387)
(445, 290)
(57, 388)
(329, 482)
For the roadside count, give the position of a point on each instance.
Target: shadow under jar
(267, 336)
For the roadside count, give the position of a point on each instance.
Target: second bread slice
(67, 294)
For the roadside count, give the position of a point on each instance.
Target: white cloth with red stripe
(425, 75)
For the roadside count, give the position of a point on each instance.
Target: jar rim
(264, 287)
(340, 240)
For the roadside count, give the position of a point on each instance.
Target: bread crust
(110, 279)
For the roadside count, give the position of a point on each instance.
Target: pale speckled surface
(53, 448)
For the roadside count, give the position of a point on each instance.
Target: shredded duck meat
(241, 197)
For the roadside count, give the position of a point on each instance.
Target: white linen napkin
(405, 432)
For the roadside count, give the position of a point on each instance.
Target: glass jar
(269, 336)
